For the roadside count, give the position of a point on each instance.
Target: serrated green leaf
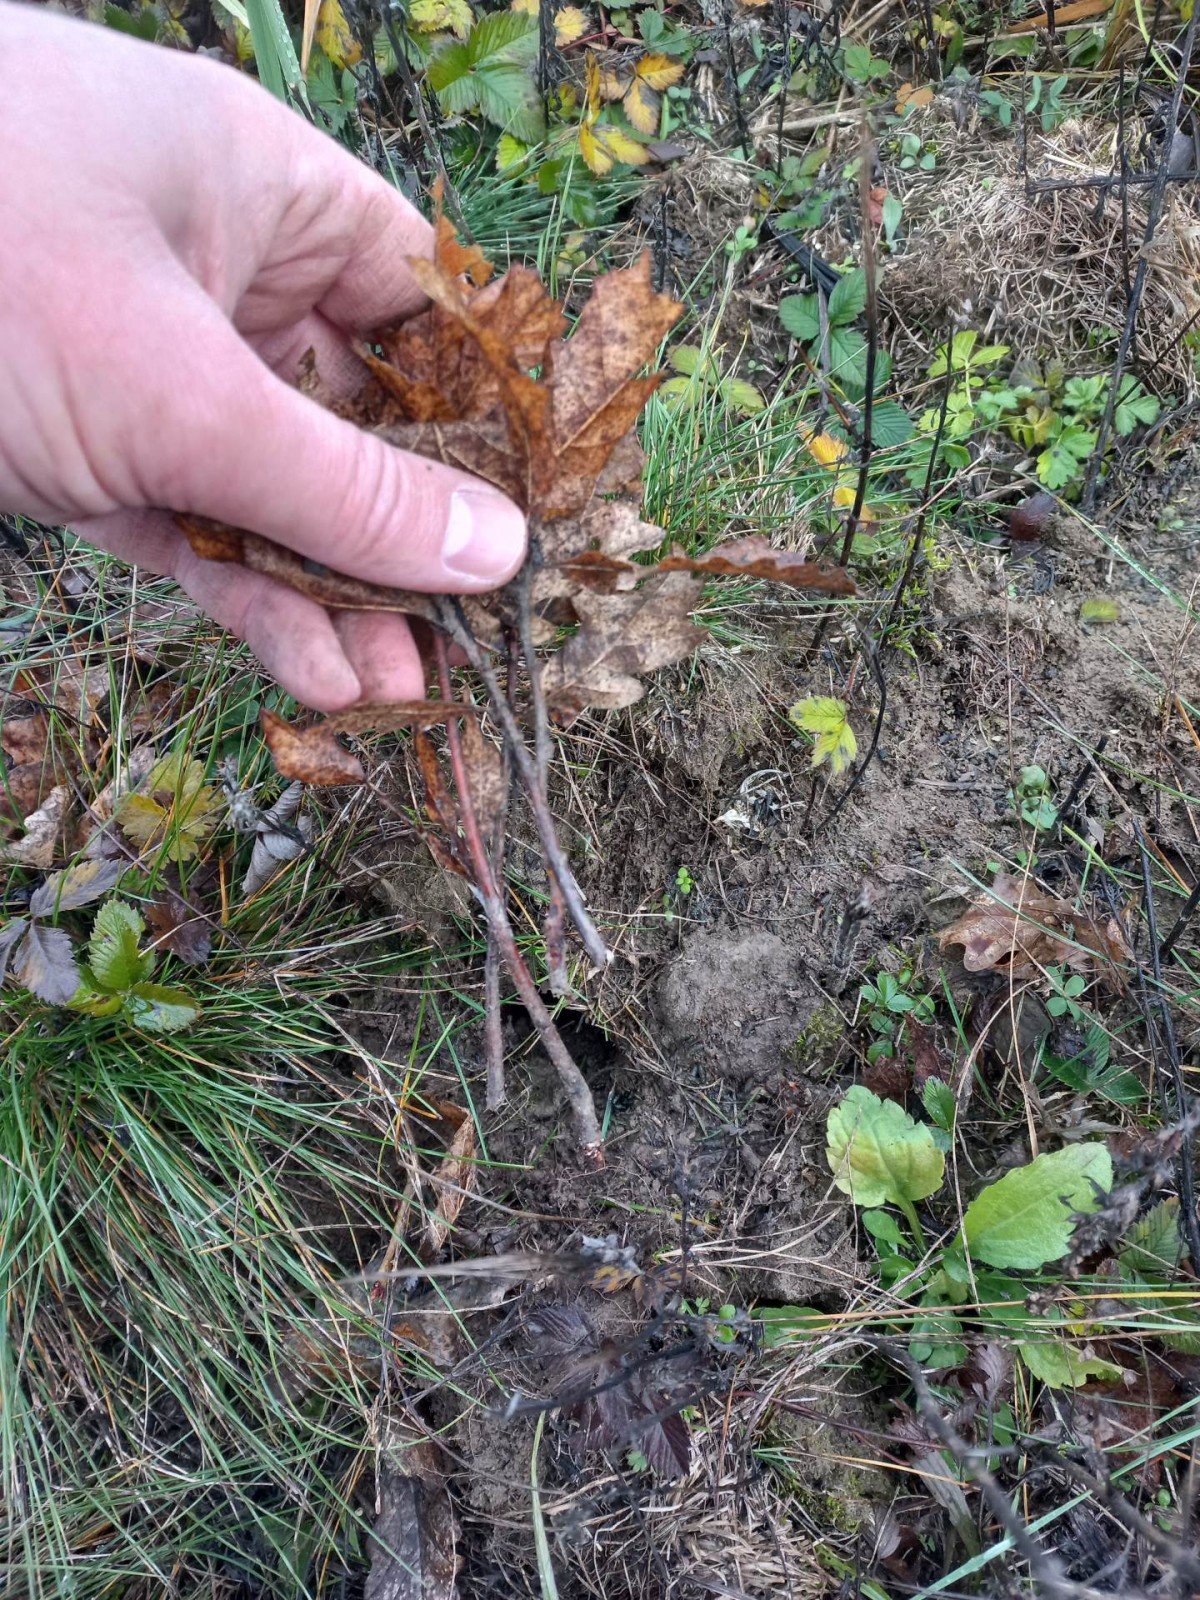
(448, 66)
(510, 153)
(91, 998)
(848, 298)
(160, 1010)
(508, 96)
(503, 36)
(938, 1100)
(848, 357)
(801, 316)
(1153, 1245)
(878, 1154)
(173, 809)
(115, 959)
(1024, 1219)
(891, 424)
(1063, 1365)
(829, 721)
(742, 396)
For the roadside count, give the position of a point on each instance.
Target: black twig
(866, 158)
(1087, 766)
(1166, 949)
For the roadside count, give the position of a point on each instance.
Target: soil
(724, 1029)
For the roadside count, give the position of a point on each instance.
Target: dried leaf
(9, 934)
(45, 964)
(413, 1542)
(454, 1178)
(312, 755)
(276, 840)
(23, 739)
(486, 778)
(43, 831)
(77, 886)
(1020, 929)
(622, 636)
(177, 926)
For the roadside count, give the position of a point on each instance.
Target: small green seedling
(1031, 799)
(887, 1001)
(115, 978)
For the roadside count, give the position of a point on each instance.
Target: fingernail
(485, 537)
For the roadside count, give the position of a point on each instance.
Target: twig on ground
(500, 931)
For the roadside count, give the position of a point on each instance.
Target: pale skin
(172, 242)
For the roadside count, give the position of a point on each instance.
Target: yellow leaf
(658, 71)
(527, 8)
(175, 807)
(641, 107)
(441, 16)
(510, 152)
(832, 453)
(591, 101)
(570, 23)
(907, 95)
(612, 85)
(334, 35)
(829, 721)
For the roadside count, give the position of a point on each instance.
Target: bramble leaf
(115, 959)
(1024, 1219)
(878, 1154)
(1063, 1365)
(160, 1010)
(829, 721)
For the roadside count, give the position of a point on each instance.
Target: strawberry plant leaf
(829, 721)
(115, 959)
(1024, 1219)
(9, 934)
(45, 964)
(1154, 1246)
(848, 298)
(878, 1154)
(801, 316)
(158, 1009)
(77, 886)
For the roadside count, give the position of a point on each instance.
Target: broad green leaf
(1063, 1365)
(829, 721)
(44, 962)
(116, 961)
(160, 1010)
(878, 1154)
(1024, 1219)
(1153, 1245)
(848, 298)
(848, 355)
(890, 424)
(893, 213)
(77, 886)
(447, 66)
(882, 1225)
(801, 316)
(742, 396)
(508, 97)
(503, 36)
(91, 998)
(510, 153)
(939, 1102)
(784, 1325)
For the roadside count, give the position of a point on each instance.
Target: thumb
(243, 447)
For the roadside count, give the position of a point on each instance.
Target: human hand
(175, 242)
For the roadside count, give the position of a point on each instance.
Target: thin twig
(455, 624)
(867, 150)
(1153, 217)
(1166, 949)
(493, 1030)
(583, 1108)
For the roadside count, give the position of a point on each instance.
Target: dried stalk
(500, 932)
(454, 624)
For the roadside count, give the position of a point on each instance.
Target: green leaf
(890, 424)
(274, 53)
(1099, 611)
(1153, 1245)
(784, 1325)
(447, 67)
(116, 962)
(848, 298)
(893, 213)
(829, 721)
(1134, 406)
(508, 97)
(160, 1010)
(883, 1226)
(1024, 1220)
(91, 998)
(1063, 1365)
(741, 396)
(939, 1103)
(510, 153)
(878, 1154)
(801, 316)
(848, 356)
(503, 36)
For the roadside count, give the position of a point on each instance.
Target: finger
(379, 645)
(338, 368)
(236, 443)
(292, 636)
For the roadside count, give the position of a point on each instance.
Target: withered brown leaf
(1020, 929)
